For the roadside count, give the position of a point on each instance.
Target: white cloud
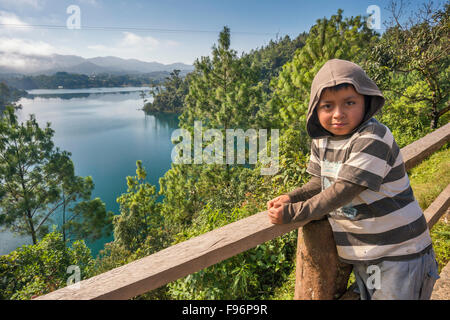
(132, 39)
(15, 61)
(10, 21)
(26, 47)
(36, 4)
(132, 45)
(94, 3)
(99, 47)
(28, 55)
(172, 43)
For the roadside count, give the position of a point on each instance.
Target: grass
(428, 180)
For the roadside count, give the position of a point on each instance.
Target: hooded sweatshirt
(359, 180)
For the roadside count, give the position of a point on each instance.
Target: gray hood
(335, 72)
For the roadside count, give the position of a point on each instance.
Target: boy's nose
(338, 113)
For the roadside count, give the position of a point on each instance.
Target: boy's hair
(341, 86)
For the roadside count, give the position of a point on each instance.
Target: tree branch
(445, 110)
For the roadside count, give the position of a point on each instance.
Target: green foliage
(223, 90)
(428, 180)
(90, 220)
(5, 93)
(422, 48)
(440, 235)
(182, 198)
(37, 269)
(140, 220)
(76, 81)
(9, 96)
(407, 120)
(266, 62)
(169, 97)
(139, 229)
(249, 275)
(271, 58)
(294, 158)
(188, 188)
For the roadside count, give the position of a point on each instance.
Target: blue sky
(165, 31)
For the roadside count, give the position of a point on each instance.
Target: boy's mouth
(338, 124)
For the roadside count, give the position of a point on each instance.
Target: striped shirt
(384, 222)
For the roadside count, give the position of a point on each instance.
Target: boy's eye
(325, 106)
(350, 103)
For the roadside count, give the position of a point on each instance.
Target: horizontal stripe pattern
(392, 236)
(360, 176)
(385, 220)
(313, 167)
(375, 253)
(384, 223)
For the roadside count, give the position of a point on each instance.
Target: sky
(165, 31)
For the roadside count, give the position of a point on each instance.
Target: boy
(358, 180)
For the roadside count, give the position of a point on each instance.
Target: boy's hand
(276, 213)
(284, 198)
(275, 208)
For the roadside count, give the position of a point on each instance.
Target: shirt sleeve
(314, 160)
(368, 161)
(335, 196)
(308, 190)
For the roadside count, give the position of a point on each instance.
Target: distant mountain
(137, 65)
(85, 67)
(75, 64)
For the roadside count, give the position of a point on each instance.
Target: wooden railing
(215, 246)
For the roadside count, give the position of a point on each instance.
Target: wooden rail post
(319, 273)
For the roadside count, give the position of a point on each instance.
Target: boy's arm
(335, 196)
(308, 190)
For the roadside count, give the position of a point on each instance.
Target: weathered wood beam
(176, 261)
(419, 150)
(438, 207)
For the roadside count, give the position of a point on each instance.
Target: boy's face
(340, 111)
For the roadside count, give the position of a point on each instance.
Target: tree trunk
(63, 227)
(434, 118)
(31, 226)
(320, 275)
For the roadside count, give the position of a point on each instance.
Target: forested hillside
(77, 81)
(268, 88)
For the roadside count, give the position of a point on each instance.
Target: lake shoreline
(106, 133)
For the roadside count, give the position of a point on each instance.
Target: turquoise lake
(106, 133)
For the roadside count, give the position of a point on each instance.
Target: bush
(253, 274)
(34, 270)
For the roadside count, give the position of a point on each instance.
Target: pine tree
(224, 91)
(37, 181)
